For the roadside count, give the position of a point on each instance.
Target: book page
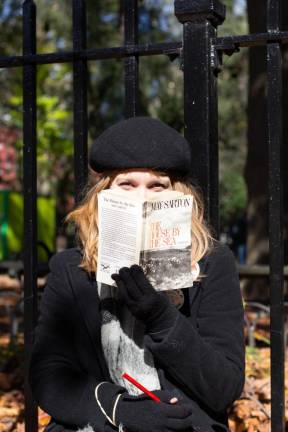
(166, 248)
(152, 196)
(120, 230)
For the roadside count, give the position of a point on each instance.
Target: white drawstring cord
(112, 421)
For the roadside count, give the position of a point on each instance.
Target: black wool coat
(202, 354)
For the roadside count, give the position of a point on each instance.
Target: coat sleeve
(209, 360)
(59, 386)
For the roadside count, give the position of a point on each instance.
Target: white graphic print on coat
(122, 338)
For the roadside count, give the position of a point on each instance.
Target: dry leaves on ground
(252, 411)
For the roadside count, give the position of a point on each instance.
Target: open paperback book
(153, 233)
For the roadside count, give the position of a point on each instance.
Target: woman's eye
(124, 184)
(158, 185)
(154, 185)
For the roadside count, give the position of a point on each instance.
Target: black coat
(202, 355)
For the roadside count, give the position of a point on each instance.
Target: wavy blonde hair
(85, 218)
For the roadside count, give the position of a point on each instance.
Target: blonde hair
(85, 218)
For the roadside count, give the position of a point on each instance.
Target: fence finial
(200, 10)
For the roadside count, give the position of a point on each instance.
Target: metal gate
(201, 52)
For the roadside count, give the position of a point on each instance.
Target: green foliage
(11, 233)
(161, 86)
(232, 93)
(53, 141)
(51, 120)
(233, 195)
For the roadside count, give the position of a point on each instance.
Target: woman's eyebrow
(123, 178)
(154, 179)
(160, 179)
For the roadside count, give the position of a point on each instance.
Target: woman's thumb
(167, 396)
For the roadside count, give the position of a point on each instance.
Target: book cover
(155, 234)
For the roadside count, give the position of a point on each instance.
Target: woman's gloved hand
(142, 414)
(152, 307)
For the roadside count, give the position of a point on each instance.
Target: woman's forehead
(141, 172)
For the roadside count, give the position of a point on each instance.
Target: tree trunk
(256, 168)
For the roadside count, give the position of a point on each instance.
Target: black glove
(142, 414)
(146, 304)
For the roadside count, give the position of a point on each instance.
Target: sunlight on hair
(85, 219)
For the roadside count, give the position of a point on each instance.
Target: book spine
(144, 221)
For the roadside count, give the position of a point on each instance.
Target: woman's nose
(142, 192)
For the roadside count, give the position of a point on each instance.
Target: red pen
(141, 387)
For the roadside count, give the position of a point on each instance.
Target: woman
(188, 349)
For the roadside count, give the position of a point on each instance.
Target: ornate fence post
(276, 243)
(131, 63)
(80, 98)
(30, 203)
(200, 19)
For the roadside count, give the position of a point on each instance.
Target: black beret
(140, 142)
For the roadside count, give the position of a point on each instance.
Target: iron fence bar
(168, 48)
(213, 140)
(251, 40)
(276, 248)
(257, 271)
(30, 205)
(200, 100)
(131, 63)
(80, 99)
(226, 43)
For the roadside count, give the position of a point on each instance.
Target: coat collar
(85, 291)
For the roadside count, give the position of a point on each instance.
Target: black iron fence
(201, 52)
